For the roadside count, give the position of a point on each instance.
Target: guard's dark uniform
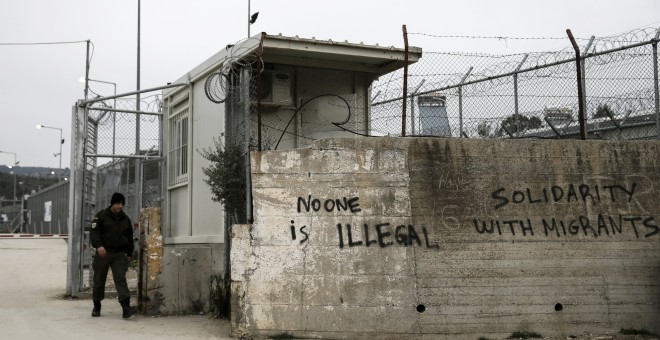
(114, 232)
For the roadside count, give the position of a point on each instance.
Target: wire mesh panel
(620, 94)
(152, 182)
(117, 131)
(526, 94)
(239, 109)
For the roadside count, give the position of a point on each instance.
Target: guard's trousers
(118, 262)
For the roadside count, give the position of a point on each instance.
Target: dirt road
(33, 281)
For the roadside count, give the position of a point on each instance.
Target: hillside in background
(33, 171)
(28, 180)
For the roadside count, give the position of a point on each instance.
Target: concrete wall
(175, 279)
(450, 238)
(186, 277)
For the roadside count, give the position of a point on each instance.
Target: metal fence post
(405, 81)
(515, 83)
(460, 102)
(579, 85)
(584, 83)
(74, 254)
(655, 84)
(139, 185)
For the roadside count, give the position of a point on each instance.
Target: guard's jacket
(112, 231)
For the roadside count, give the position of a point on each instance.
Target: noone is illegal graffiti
(352, 233)
(598, 213)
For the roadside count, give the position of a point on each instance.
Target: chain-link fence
(527, 95)
(152, 184)
(469, 95)
(116, 148)
(120, 138)
(117, 131)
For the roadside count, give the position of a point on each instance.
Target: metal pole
(460, 101)
(260, 51)
(22, 228)
(137, 100)
(114, 121)
(515, 83)
(40, 126)
(579, 85)
(100, 99)
(405, 81)
(655, 85)
(74, 258)
(515, 93)
(87, 71)
(584, 77)
(248, 21)
(59, 174)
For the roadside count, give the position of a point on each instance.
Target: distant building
(558, 115)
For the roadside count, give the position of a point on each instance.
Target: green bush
(226, 178)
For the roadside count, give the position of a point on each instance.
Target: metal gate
(116, 147)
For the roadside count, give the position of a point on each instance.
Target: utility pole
(59, 173)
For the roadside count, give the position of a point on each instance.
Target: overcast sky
(39, 83)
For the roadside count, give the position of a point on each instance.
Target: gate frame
(79, 158)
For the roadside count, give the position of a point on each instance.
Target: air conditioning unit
(276, 87)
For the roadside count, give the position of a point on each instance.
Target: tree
(226, 178)
(484, 128)
(517, 122)
(602, 111)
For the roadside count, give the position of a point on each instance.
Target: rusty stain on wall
(151, 246)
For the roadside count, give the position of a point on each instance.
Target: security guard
(112, 236)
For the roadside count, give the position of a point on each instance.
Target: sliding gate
(113, 142)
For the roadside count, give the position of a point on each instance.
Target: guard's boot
(97, 308)
(126, 308)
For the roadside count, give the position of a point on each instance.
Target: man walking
(112, 236)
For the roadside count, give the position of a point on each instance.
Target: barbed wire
(217, 85)
(484, 87)
(492, 37)
(539, 65)
(626, 38)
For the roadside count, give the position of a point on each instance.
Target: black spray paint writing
(302, 231)
(570, 193)
(602, 225)
(384, 235)
(380, 235)
(329, 205)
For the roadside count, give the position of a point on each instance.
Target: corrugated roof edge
(249, 45)
(411, 49)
